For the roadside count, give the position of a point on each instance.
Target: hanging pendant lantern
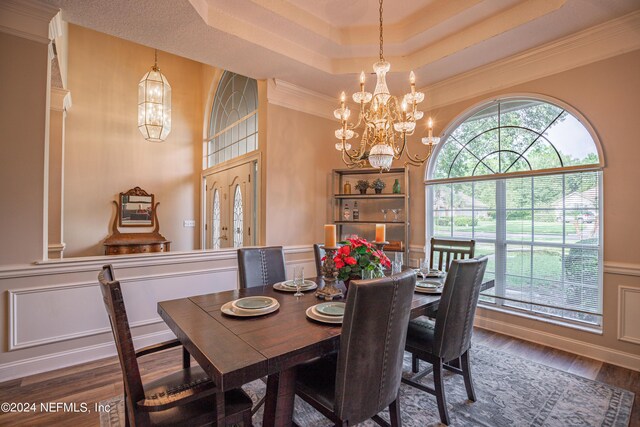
(154, 105)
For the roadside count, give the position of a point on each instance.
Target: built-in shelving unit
(370, 204)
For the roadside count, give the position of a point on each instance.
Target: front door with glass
(230, 207)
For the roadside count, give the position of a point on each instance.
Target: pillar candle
(330, 235)
(381, 232)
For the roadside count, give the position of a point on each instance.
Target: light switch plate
(189, 223)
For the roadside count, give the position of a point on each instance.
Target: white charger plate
(231, 310)
(312, 313)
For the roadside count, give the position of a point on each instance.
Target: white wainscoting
(629, 314)
(70, 308)
(51, 314)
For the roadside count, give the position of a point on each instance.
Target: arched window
(522, 177)
(216, 220)
(238, 218)
(233, 125)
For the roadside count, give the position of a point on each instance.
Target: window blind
(542, 235)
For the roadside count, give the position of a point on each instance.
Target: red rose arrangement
(357, 255)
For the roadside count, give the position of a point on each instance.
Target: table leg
(278, 408)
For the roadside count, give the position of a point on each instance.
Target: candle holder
(380, 245)
(330, 274)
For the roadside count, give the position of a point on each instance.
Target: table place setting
(327, 312)
(427, 286)
(290, 286)
(250, 306)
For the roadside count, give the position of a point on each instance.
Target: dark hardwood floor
(96, 381)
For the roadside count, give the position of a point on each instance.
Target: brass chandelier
(154, 105)
(385, 123)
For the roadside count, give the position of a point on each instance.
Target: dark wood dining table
(236, 350)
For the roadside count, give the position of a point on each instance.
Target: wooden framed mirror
(136, 208)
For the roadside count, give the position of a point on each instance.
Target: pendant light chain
(155, 65)
(381, 39)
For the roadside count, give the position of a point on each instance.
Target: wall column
(60, 103)
(24, 116)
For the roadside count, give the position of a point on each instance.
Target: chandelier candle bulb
(381, 233)
(330, 235)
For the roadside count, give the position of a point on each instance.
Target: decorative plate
(254, 303)
(331, 308)
(308, 286)
(314, 315)
(289, 284)
(429, 284)
(230, 310)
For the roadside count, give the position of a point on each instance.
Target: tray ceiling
(323, 44)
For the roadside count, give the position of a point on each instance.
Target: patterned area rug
(511, 391)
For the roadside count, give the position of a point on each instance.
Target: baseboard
(50, 362)
(604, 354)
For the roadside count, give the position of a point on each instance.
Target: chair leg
(394, 413)
(126, 414)
(246, 419)
(415, 364)
(466, 374)
(439, 389)
(186, 358)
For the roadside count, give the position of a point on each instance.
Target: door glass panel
(216, 220)
(238, 226)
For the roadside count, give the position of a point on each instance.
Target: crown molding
(597, 43)
(298, 98)
(29, 19)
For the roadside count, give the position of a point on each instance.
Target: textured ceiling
(323, 44)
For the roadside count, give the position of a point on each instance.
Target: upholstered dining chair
(363, 378)
(261, 266)
(448, 250)
(318, 253)
(185, 398)
(448, 338)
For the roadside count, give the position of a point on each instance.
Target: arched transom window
(233, 125)
(522, 177)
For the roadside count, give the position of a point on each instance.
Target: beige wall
(606, 93)
(23, 120)
(299, 160)
(105, 154)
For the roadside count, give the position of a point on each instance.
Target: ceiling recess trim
(612, 38)
(299, 98)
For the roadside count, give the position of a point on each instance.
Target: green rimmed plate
(331, 308)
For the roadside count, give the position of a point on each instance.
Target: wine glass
(396, 212)
(384, 214)
(298, 280)
(423, 266)
(396, 266)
